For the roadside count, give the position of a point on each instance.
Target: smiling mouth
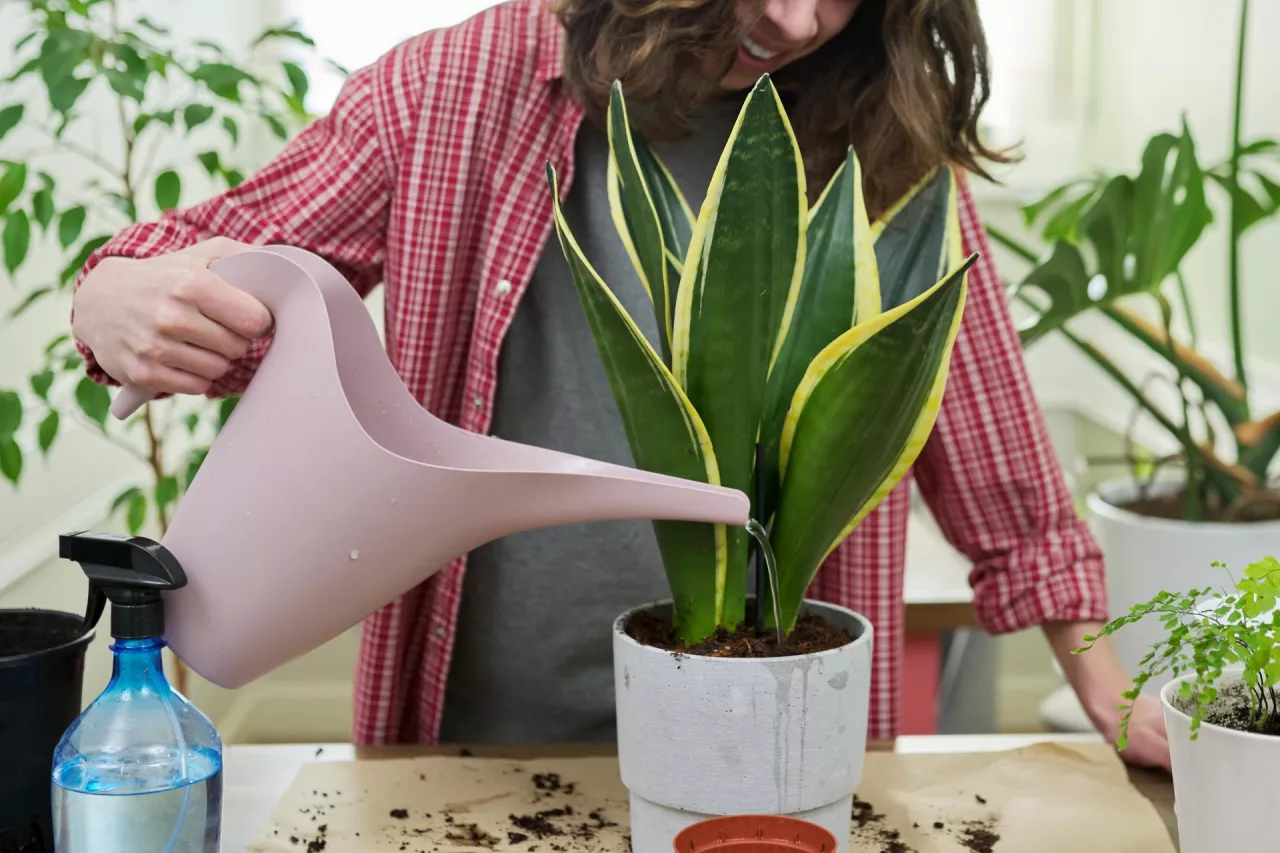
(758, 51)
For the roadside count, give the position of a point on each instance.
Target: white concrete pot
(702, 737)
(1146, 555)
(1223, 782)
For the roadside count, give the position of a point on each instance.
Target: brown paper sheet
(1042, 799)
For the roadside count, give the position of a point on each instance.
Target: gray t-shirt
(532, 661)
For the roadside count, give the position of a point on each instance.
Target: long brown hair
(904, 82)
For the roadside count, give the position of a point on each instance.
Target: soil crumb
(979, 837)
(539, 825)
(550, 782)
(812, 634)
(869, 828)
(399, 814)
(470, 835)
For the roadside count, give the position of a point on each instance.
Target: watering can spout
(331, 491)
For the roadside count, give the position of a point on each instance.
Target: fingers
(225, 305)
(162, 379)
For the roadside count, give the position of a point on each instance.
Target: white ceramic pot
(703, 737)
(1223, 782)
(1146, 555)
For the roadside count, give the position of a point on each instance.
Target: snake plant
(818, 335)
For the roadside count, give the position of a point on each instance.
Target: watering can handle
(129, 400)
(132, 397)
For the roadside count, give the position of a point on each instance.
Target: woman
(428, 176)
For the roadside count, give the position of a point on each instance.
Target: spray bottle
(141, 768)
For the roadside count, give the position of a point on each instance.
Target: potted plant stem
(802, 359)
(1221, 704)
(1115, 247)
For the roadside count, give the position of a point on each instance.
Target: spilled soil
(812, 634)
(874, 832)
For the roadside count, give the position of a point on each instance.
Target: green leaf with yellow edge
(738, 293)
(666, 437)
(865, 407)
(911, 239)
(635, 217)
(841, 287)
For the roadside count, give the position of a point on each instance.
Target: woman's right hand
(167, 324)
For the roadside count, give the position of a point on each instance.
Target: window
(357, 34)
(1039, 53)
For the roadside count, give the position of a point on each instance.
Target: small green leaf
(277, 126)
(124, 497)
(56, 342)
(222, 79)
(297, 78)
(232, 129)
(154, 27)
(137, 515)
(194, 460)
(41, 383)
(10, 413)
(64, 94)
(42, 208)
(17, 238)
(94, 400)
(10, 460)
(193, 423)
(126, 84)
(70, 224)
(196, 115)
(166, 491)
(48, 431)
(287, 32)
(12, 183)
(233, 177)
(31, 299)
(211, 162)
(87, 248)
(225, 408)
(168, 189)
(9, 118)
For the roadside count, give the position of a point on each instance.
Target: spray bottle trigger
(97, 603)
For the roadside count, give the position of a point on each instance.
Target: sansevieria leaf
(666, 436)
(911, 239)
(636, 217)
(738, 292)
(840, 287)
(864, 407)
(673, 211)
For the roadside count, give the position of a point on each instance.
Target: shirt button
(504, 287)
(440, 632)
(477, 401)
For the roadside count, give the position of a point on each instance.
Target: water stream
(756, 529)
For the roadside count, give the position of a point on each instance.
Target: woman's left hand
(1148, 743)
(1100, 682)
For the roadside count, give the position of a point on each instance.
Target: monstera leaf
(1137, 231)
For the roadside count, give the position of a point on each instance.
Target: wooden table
(256, 776)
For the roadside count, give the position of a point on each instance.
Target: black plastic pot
(41, 675)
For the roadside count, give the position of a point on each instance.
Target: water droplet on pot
(355, 555)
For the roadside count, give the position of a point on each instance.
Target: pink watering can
(331, 491)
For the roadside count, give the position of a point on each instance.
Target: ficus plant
(1210, 633)
(76, 62)
(1114, 245)
(806, 338)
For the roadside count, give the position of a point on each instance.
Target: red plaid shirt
(428, 176)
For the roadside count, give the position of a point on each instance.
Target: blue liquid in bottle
(140, 771)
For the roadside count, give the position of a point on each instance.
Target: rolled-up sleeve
(990, 475)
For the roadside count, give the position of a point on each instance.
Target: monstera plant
(803, 350)
(1114, 246)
